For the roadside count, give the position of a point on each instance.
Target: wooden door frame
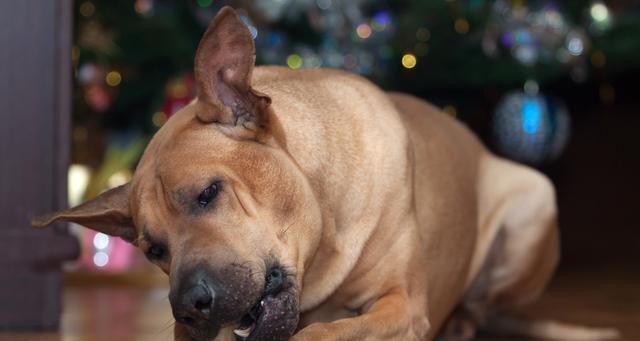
(35, 126)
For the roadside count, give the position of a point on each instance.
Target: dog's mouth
(275, 315)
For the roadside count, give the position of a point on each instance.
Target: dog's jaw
(275, 316)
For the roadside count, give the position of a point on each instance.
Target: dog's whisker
(168, 324)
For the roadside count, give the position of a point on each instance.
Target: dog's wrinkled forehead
(186, 153)
(183, 142)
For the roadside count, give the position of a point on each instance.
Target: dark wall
(598, 186)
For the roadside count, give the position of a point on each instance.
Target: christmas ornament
(531, 128)
(348, 38)
(534, 34)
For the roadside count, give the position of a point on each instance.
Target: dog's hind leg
(522, 257)
(472, 312)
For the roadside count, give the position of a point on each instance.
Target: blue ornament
(531, 128)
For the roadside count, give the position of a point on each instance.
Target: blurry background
(553, 84)
(550, 83)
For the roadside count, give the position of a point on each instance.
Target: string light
(158, 119)
(294, 61)
(100, 259)
(113, 78)
(87, 9)
(575, 46)
(461, 26)
(363, 31)
(599, 12)
(380, 21)
(409, 61)
(143, 6)
(100, 241)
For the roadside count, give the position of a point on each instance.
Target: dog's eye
(156, 252)
(208, 194)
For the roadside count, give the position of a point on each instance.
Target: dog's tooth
(243, 332)
(262, 303)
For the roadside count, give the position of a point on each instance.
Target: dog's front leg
(389, 318)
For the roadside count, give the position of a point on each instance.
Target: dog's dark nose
(201, 298)
(194, 300)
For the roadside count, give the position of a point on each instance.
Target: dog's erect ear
(108, 213)
(223, 65)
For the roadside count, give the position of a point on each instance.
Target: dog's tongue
(278, 319)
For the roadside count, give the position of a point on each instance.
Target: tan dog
(311, 202)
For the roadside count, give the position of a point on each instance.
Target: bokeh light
(409, 61)
(113, 78)
(100, 259)
(461, 26)
(363, 31)
(87, 9)
(143, 6)
(100, 241)
(381, 21)
(294, 61)
(158, 119)
(599, 12)
(77, 181)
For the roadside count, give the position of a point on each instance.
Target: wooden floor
(128, 312)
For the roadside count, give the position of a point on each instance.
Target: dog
(311, 205)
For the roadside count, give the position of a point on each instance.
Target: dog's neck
(370, 151)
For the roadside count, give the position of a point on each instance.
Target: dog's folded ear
(107, 213)
(223, 66)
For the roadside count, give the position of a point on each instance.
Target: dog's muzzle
(256, 311)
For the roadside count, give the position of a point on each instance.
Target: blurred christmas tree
(133, 59)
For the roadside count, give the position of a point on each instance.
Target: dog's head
(217, 203)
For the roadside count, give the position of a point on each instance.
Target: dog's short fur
(389, 219)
